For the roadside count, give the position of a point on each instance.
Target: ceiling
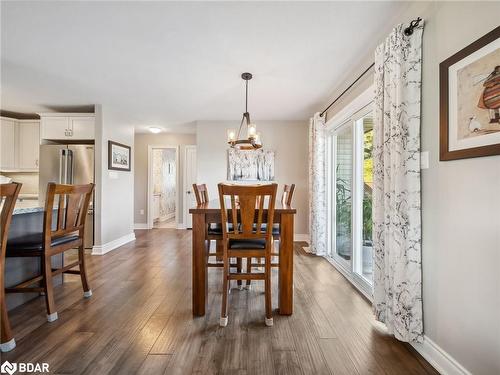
(169, 64)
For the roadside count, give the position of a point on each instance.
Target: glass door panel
(343, 193)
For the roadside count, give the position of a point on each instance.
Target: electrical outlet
(141, 212)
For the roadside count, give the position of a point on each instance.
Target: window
(350, 182)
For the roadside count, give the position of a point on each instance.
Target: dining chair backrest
(287, 196)
(247, 209)
(8, 197)
(72, 207)
(201, 193)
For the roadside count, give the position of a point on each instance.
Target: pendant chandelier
(253, 139)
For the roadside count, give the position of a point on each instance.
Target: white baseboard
(141, 226)
(107, 247)
(444, 363)
(297, 237)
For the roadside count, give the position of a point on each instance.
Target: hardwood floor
(139, 321)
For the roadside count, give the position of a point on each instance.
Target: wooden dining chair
(67, 233)
(242, 240)
(201, 193)
(8, 198)
(286, 200)
(213, 231)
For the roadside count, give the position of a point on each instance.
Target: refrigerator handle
(69, 166)
(62, 166)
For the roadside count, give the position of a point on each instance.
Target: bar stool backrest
(8, 198)
(72, 207)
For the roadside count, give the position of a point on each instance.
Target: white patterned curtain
(317, 185)
(397, 279)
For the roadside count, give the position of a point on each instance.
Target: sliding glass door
(350, 180)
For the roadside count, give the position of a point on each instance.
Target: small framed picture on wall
(470, 100)
(119, 156)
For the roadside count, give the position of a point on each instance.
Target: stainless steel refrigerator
(68, 164)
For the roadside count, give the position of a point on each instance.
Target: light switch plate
(424, 160)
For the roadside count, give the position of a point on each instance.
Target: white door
(29, 144)
(189, 180)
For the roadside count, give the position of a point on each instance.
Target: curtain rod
(408, 31)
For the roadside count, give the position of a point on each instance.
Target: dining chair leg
(218, 249)
(249, 270)
(239, 262)
(87, 292)
(225, 285)
(267, 286)
(7, 341)
(49, 289)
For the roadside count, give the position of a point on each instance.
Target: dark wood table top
(213, 206)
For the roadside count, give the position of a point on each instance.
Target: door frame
(149, 200)
(349, 116)
(186, 188)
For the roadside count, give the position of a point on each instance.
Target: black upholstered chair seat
(276, 228)
(250, 243)
(216, 228)
(33, 243)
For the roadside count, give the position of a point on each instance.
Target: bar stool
(67, 233)
(8, 197)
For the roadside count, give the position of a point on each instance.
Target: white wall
(460, 207)
(114, 189)
(460, 211)
(287, 139)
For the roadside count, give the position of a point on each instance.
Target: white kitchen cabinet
(82, 127)
(29, 144)
(54, 127)
(67, 126)
(20, 145)
(8, 144)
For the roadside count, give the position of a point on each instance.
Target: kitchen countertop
(27, 210)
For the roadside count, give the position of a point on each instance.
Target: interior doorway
(163, 186)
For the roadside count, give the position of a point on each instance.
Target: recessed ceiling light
(154, 129)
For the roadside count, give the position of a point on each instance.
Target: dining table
(210, 212)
